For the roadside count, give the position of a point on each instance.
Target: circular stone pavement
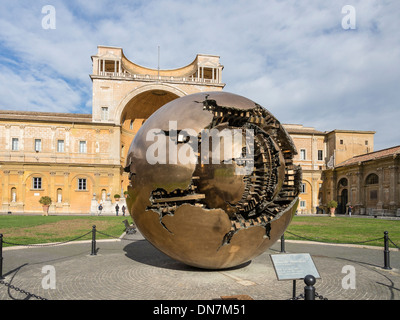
(132, 269)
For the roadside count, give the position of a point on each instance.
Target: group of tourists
(123, 209)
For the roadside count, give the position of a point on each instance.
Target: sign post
(294, 266)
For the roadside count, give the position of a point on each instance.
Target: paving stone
(132, 269)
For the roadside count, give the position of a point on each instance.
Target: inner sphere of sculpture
(212, 180)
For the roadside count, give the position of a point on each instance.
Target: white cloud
(292, 57)
(28, 92)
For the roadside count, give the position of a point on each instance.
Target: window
(372, 179)
(343, 182)
(13, 195)
(14, 144)
(302, 154)
(38, 145)
(373, 195)
(104, 113)
(109, 65)
(341, 142)
(366, 142)
(37, 183)
(60, 145)
(320, 155)
(303, 188)
(302, 204)
(82, 147)
(131, 125)
(81, 184)
(59, 195)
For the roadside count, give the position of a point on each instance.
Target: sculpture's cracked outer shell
(206, 214)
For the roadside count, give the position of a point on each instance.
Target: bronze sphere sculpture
(212, 180)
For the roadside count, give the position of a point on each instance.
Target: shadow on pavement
(144, 252)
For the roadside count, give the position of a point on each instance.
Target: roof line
(353, 160)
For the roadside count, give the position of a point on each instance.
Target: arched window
(343, 182)
(59, 195)
(372, 179)
(13, 195)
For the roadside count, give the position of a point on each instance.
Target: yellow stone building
(322, 150)
(78, 159)
(64, 156)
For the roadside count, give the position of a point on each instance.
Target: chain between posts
(45, 244)
(309, 290)
(326, 241)
(94, 231)
(9, 285)
(301, 297)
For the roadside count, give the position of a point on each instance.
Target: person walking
(123, 210)
(349, 210)
(117, 209)
(100, 208)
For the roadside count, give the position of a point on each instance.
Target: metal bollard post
(1, 256)
(93, 241)
(386, 252)
(283, 243)
(309, 290)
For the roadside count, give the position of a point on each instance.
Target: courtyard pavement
(130, 268)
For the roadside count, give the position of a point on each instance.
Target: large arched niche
(145, 100)
(141, 105)
(135, 108)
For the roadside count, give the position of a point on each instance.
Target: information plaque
(294, 266)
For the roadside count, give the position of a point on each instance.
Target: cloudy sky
(299, 59)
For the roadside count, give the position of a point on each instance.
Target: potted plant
(117, 197)
(46, 202)
(332, 205)
(126, 194)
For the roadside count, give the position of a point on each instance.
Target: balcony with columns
(112, 64)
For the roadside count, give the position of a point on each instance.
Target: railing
(309, 290)
(385, 239)
(147, 77)
(53, 157)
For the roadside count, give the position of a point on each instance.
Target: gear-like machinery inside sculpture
(213, 183)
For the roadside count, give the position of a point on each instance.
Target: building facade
(64, 156)
(311, 155)
(320, 150)
(370, 183)
(78, 159)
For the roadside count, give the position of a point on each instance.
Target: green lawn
(343, 230)
(44, 229)
(39, 229)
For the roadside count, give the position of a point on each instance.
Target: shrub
(45, 200)
(332, 204)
